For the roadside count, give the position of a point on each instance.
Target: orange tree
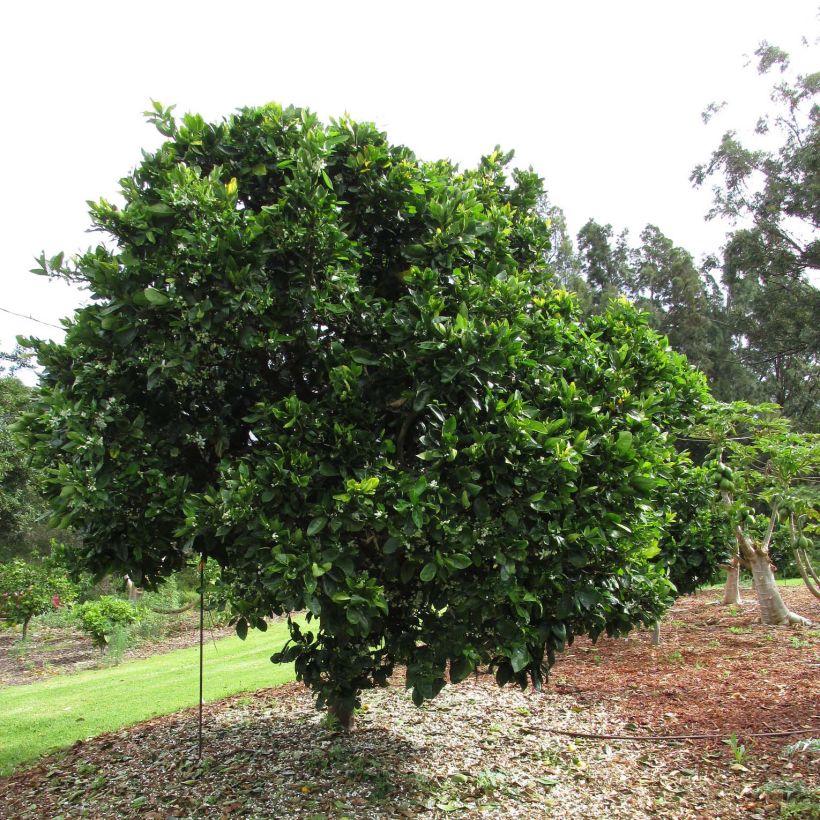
(28, 589)
(346, 375)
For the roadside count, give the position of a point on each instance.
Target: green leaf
(651, 551)
(430, 455)
(160, 209)
(391, 545)
(362, 357)
(317, 525)
(459, 561)
(539, 427)
(520, 658)
(623, 444)
(460, 668)
(242, 629)
(156, 297)
(428, 572)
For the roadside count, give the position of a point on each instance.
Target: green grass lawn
(747, 583)
(42, 717)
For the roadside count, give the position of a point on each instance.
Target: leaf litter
(480, 751)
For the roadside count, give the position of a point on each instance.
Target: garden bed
(54, 650)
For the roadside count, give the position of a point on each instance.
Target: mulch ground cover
(477, 751)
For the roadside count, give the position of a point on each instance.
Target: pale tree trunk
(731, 590)
(656, 634)
(772, 609)
(132, 589)
(807, 572)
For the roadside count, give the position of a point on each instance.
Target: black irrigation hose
(661, 738)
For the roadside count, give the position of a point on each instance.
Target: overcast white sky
(602, 98)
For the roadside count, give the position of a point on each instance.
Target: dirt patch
(477, 751)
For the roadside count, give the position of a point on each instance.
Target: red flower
(55, 599)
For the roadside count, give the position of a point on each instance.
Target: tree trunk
(25, 627)
(772, 609)
(656, 634)
(731, 591)
(132, 589)
(806, 571)
(343, 712)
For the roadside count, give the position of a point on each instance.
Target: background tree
(20, 505)
(603, 262)
(766, 474)
(346, 375)
(771, 194)
(561, 255)
(665, 281)
(28, 589)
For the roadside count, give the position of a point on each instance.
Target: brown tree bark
(343, 713)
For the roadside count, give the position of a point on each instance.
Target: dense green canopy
(346, 375)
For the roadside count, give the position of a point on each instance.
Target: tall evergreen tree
(771, 259)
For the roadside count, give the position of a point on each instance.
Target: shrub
(100, 618)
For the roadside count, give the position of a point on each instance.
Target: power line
(31, 318)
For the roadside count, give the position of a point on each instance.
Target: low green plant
(98, 619)
(166, 597)
(151, 626)
(811, 745)
(738, 749)
(797, 799)
(61, 617)
(119, 639)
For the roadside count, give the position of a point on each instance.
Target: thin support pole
(201, 643)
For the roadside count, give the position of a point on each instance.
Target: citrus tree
(346, 375)
(28, 589)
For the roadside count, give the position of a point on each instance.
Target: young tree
(29, 589)
(696, 538)
(765, 474)
(346, 375)
(772, 256)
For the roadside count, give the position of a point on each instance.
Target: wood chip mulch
(477, 751)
